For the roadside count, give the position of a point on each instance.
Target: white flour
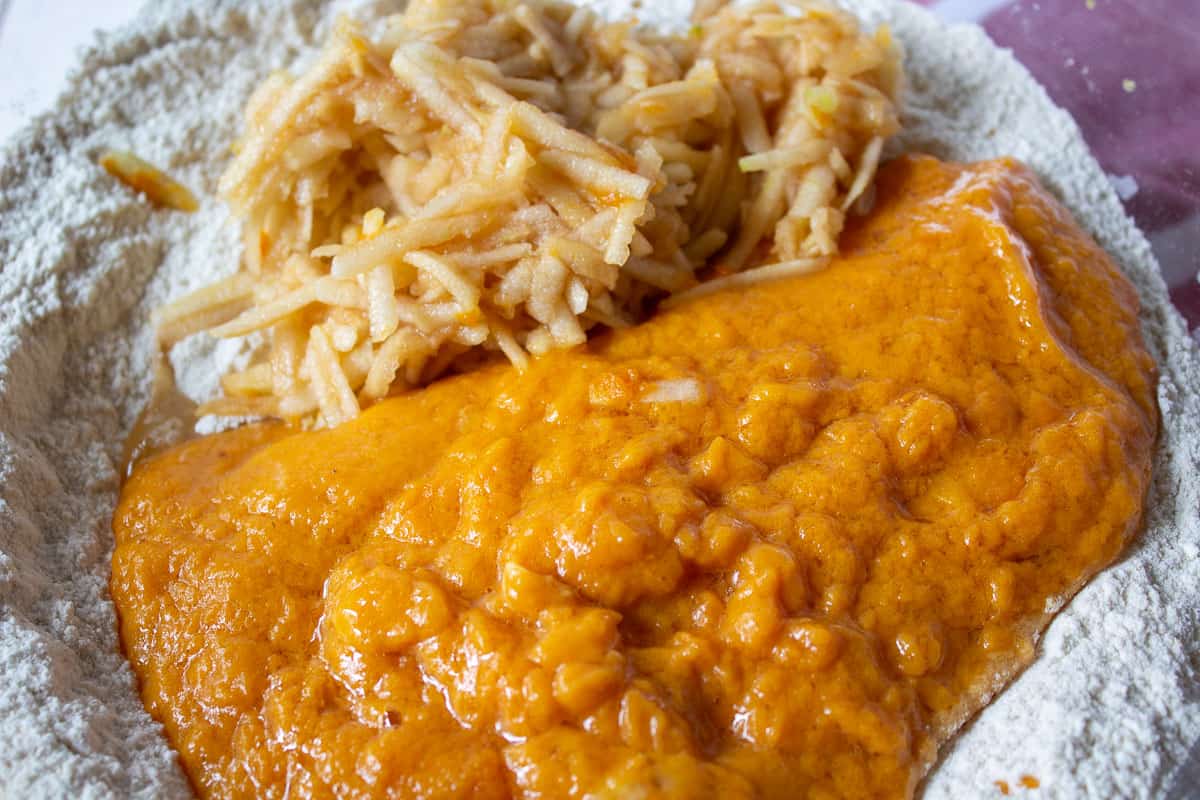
(1107, 711)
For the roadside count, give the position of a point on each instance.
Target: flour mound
(1107, 710)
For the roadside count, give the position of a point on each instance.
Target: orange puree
(778, 542)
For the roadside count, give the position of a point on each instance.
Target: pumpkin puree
(777, 542)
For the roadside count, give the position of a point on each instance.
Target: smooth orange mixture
(778, 542)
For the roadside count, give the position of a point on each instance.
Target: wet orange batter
(778, 542)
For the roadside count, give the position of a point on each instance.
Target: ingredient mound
(484, 179)
(779, 541)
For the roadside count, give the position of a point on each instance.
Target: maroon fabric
(1085, 57)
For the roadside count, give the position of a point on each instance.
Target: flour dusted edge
(82, 260)
(1106, 710)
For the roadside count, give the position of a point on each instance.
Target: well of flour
(1108, 709)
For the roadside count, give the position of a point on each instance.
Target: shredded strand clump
(487, 177)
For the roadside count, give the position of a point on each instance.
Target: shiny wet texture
(774, 543)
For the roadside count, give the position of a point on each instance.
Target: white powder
(1108, 710)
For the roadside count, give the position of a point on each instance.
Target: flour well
(1108, 710)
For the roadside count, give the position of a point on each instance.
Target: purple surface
(1129, 72)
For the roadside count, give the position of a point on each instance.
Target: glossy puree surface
(777, 542)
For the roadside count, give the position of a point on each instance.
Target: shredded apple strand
(490, 177)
